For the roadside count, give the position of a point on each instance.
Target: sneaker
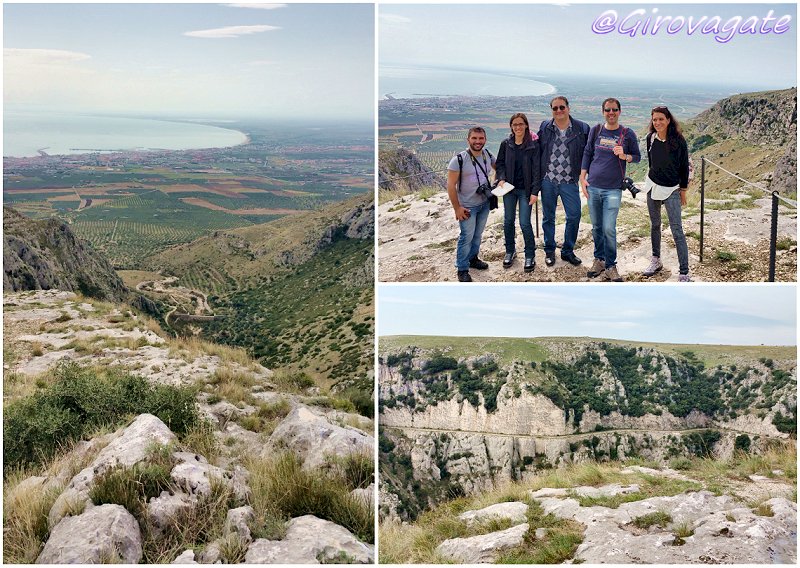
(613, 275)
(571, 258)
(508, 259)
(684, 278)
(598, 267)
(477, 263)
(550, 258)
(463, 276)
(530, 264)
(655, 266)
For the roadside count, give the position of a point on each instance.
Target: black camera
(627, 183)
(484, 189)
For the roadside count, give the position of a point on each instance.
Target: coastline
(92, 142)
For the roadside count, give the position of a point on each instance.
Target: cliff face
(760, 118)
(765, 120)
(401, 170)
(466, 424)
(46, 255)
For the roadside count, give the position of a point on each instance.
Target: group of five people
(563, 159)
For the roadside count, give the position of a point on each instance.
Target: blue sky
(714, 314)
(544, 39)
(296, 60)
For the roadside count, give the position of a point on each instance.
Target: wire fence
(776, 197)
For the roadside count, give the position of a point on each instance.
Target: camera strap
(474, 161)
(476, 164)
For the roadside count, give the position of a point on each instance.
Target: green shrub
(742, 443)
(725, 256)
(79, 401)
(361, 399)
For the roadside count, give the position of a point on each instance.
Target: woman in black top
(518, 164)
(666, 184)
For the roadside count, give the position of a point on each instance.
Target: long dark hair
(527, 136)
(674, 132)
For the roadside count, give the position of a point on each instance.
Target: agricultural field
(133, 205)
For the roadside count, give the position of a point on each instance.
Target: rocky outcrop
(723, 530)
(527, 415)
(514, 511)
(128, 448)
(104, 534)
(401, 170)
(316, 440)
(768, 117)
(310, 540)
(483, 549)
(360, 221)
(46, 255)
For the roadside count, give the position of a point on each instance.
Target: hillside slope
(123, 444)
(296, 292)
(45, 255)
(463, 414)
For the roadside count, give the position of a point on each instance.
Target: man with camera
(469, 189)
(562, 140)
(609, 149)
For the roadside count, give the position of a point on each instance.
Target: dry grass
(233, 386)
(282, 489)
(25, 512)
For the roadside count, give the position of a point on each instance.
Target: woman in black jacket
(518, 164)
(666, 184)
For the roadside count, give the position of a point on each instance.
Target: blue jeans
(603, 209)
(469, 241)
(673, 206)
(571, 200)
(510, 202)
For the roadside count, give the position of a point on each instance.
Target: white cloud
(14, 56)
(748, 301)
(231, 31)
(262, 62)
(257, 6)
(394, 19)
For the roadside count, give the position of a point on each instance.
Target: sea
(27, 133)
(415, 82)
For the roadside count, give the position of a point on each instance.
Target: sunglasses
(610, 110)
(518, 124)
(559, 107)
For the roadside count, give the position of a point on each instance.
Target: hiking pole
(773, 236)
(702, 201)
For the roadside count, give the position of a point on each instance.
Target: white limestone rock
(185, 557)
(103, 534)
(315, 439)
(163, 510)
(483, 549)
(129, 446)
(310, 540)
(237, 522)
(194, 474)
(515, 511)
